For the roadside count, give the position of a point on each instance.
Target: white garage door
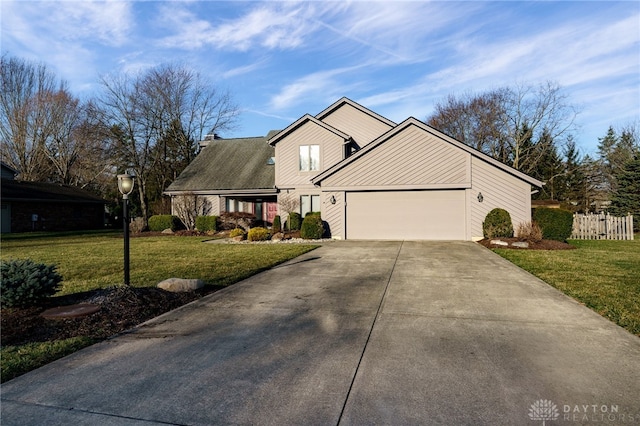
(406, 215)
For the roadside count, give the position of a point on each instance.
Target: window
(309, 203)
(309, 158)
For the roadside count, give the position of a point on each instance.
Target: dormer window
(309, 158)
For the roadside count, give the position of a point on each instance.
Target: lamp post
(125, 185)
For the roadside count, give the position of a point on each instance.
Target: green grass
(17, 360)
(602, 274)
(93, 260)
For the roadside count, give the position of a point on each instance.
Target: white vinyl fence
(602, 226)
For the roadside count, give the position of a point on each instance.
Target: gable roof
(411, 121)
(299, 122)
(15, 190)
(344, 100)
(228, 165)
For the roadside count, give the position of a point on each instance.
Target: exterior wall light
(125, 186)
(332, 200)
(480, 197)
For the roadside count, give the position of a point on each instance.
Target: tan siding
(499, 189)
(362, 127)
(412, 157)
(333, 214)
(288, 174)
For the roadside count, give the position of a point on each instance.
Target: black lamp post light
(125, 185)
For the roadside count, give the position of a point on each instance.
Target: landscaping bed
(121, 308)
(532, 245)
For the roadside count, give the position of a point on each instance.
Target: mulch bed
(120, 309)
(540, 245)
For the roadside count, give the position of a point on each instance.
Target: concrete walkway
(353, 333)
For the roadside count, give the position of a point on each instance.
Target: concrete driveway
(354, 333)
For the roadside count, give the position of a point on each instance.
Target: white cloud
(273, 26)
(107, 22)
(320, 86)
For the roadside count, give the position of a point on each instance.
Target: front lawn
(602, 274)
(95, 260)
(91, 261)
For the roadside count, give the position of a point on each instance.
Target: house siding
(410, 158)
(499, 190)
(362, 127)
(288, 174)
(334, 214)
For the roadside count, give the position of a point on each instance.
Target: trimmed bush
(556, 224)
(258, 234)
(160, 222)
(497, 224)
(207, 223)
(277, 224)
(237, 232)
(25, 283)
(311, 228)
(295, 220)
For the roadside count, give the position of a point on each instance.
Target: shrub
(137, 225)
(206, 223)
(25, 283)
(311, 228)
(237, 232)
(497, 224)
(295, 220)
(556, 224)
(160, 222)
(529, 231)
(231, 220)
(258, 234)
(277, 225)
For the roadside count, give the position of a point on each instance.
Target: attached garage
(408, 215)
(415, 183)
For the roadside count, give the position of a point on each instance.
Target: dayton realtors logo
(544, 410)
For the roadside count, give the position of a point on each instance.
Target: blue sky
(281, 60)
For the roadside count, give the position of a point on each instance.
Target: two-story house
(369, 177)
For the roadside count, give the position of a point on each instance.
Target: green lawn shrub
(497, 224)
(26, 283)
(556, 224)
(258, 234)
(207, 223)
(277, 224)
(160, 222)
(311, 228)
(295, 221)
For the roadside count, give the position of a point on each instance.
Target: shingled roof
(226, 165)
(14, 190)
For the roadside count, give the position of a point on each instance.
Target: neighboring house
(369, 177)
(38, 206)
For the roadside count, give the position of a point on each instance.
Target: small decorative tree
(188, 207)
(288, 204)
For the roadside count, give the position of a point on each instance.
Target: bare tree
(514, 125)
(165, 103)
(188, 207)
(288, 204)
(26, 125)
(544, 111)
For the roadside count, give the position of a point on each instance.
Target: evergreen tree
(626, 199)
(574, 179)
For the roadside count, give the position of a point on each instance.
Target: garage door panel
(406, 215)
